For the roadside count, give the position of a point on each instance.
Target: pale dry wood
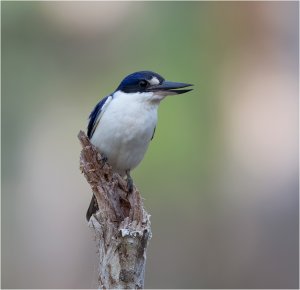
(122, 226)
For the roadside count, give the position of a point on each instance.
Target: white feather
(126, 128)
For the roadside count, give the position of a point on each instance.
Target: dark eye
(143, 84)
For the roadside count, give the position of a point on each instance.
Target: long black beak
(172, 87)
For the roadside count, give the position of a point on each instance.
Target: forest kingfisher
(123, 123)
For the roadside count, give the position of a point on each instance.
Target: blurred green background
(220, 178)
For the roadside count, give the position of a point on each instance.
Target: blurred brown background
(221, 175)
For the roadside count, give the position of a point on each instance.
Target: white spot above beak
(154, 81)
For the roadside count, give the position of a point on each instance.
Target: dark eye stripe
(143, 84)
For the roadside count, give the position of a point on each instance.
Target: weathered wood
(122, 226)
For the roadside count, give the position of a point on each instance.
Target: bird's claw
(103, 158)
(129, 184)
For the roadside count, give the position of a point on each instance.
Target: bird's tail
(93, 207)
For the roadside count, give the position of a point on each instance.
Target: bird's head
(150, 86)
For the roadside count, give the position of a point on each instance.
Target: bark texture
(122, 226)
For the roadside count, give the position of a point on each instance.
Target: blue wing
(95, 114)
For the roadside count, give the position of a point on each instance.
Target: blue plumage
(131, 83)
(94, 115)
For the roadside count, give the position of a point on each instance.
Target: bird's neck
(142, 101)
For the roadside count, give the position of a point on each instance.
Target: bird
(123, 123)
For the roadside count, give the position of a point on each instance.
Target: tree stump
(121, 225)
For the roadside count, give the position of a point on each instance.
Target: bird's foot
(103, 158)
(129, 183)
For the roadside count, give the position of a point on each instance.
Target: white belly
(124, 132)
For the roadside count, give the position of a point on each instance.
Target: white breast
(125, 130)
